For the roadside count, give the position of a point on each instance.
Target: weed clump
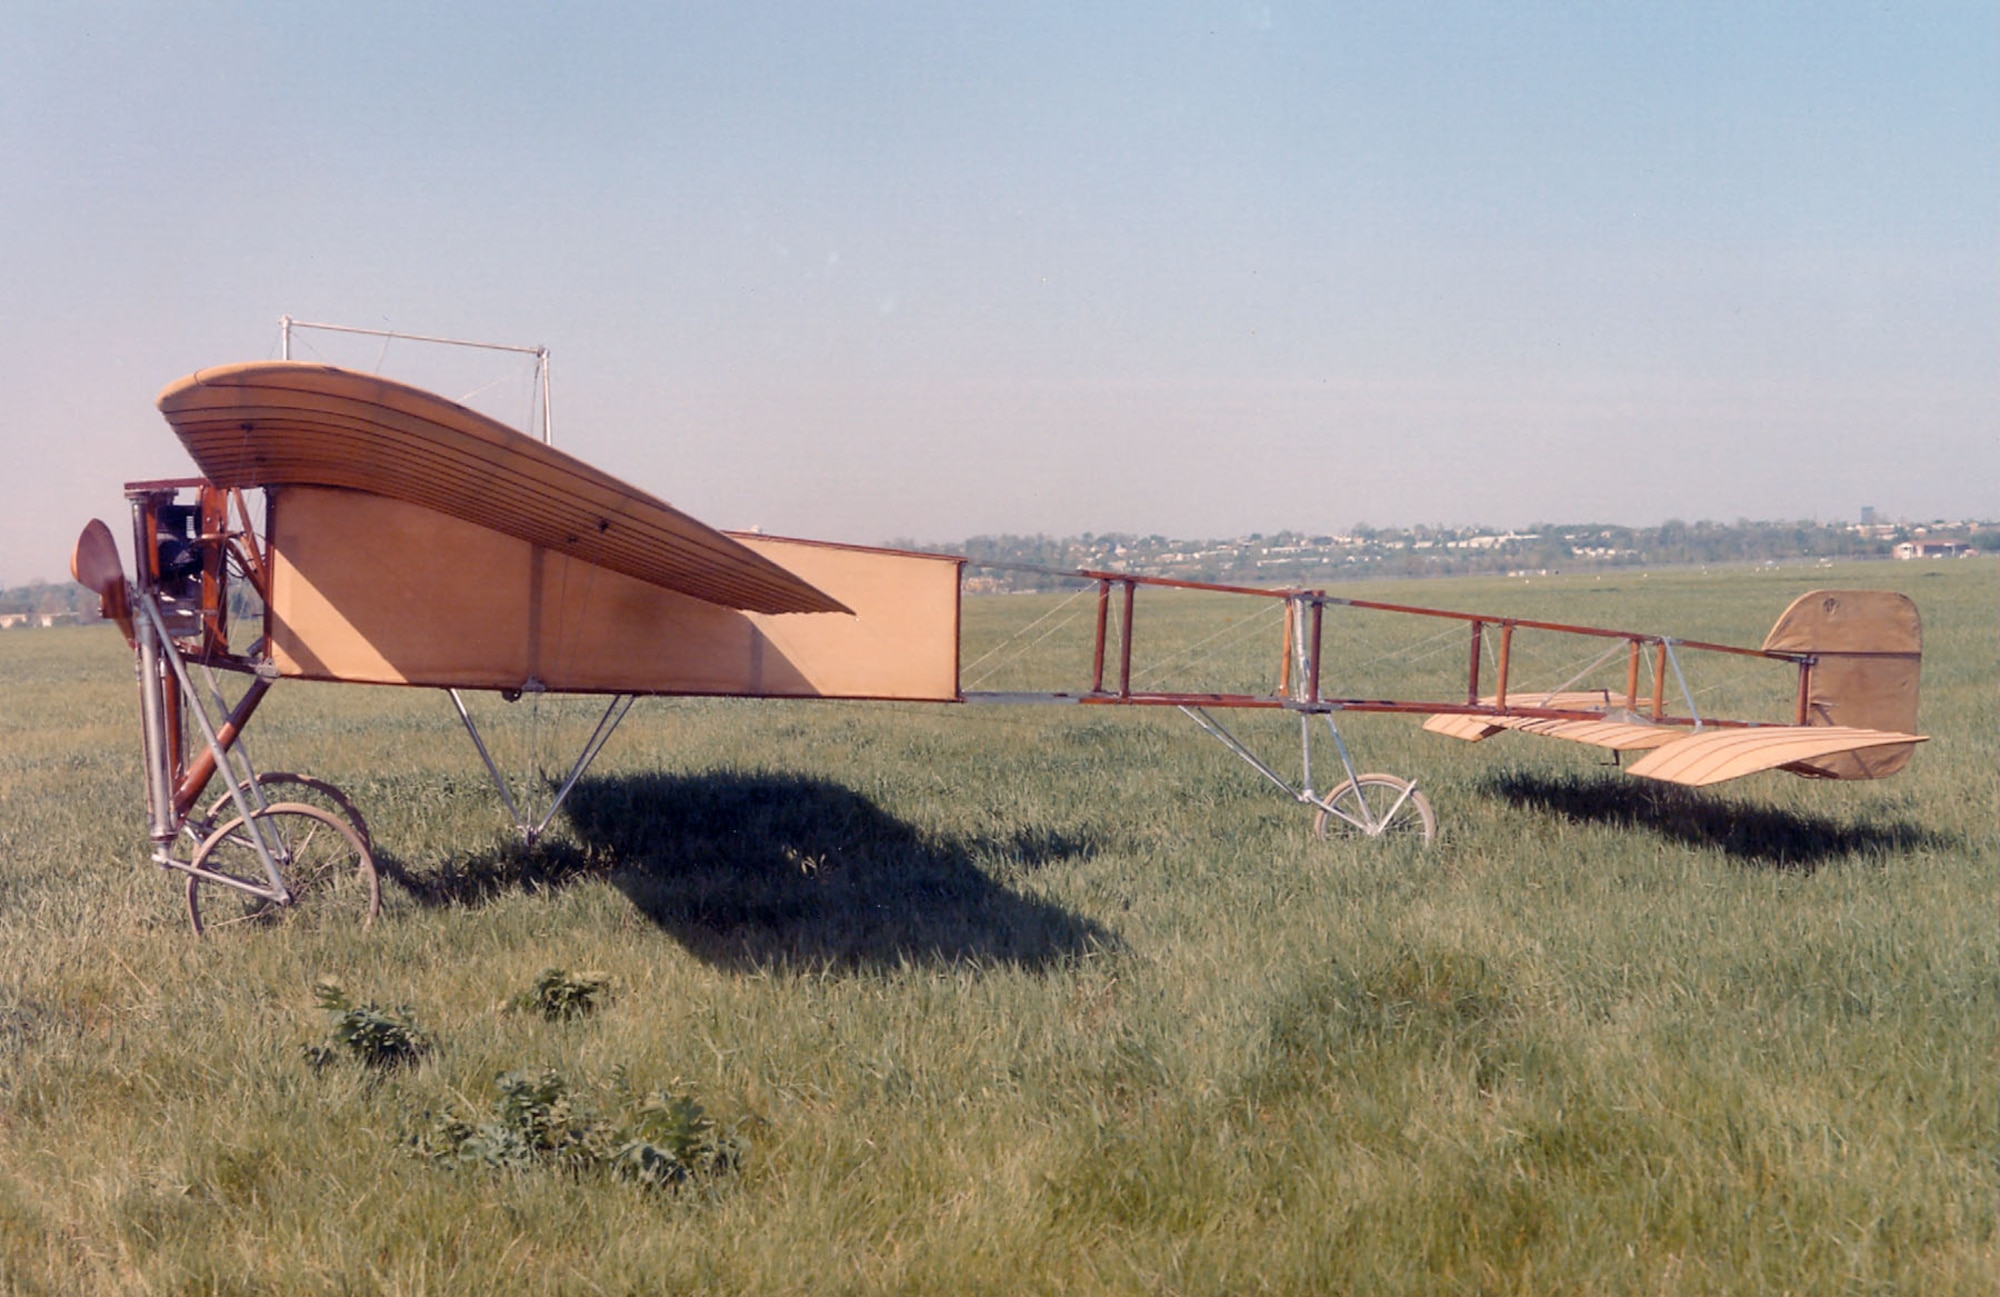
(537, 1120)
(560, 995)
(671, 1140)
(377, 1038)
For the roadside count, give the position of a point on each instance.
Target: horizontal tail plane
(1859, 655)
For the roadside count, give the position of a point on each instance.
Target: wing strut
(1344, 803)
(1687, 695)
(607, 724)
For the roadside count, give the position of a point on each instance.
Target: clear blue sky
(863, 271)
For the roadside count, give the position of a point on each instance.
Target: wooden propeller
(96, 566)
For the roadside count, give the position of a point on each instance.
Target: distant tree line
(1310, 559)
(39, 597)
(1304, 558)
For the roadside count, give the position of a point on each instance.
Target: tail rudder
(1865, 651)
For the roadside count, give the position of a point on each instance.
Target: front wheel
(326, 865)
(1377, 806)
(307, 790)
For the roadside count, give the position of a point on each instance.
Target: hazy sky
(870, 270)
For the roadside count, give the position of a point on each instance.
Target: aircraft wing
(1715, 755)
(1674, 753)
(1622, 735)
(287, 423)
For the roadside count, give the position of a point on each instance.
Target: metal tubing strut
(499, 780)
(1298, 682)
(1234, 744)
(165, 825)
(1346, 763)
(279, 892)
(194, 780)
(1674, 661)
(1369, 823)
(606, 726)
(1312, 667)
(1306, 751)
(601, 735)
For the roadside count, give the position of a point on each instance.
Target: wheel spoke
(1349, 809)
(327, 868)
(295, 854)
(275, 786)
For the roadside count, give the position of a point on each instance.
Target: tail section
(1866, 653)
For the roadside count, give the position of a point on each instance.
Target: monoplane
(404, 539)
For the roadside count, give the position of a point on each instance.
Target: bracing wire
(531, 777)
(1416, 653)
(1742, 680)
(483, 388)
(1019, 649)
(1590, 666)
(1194, 653)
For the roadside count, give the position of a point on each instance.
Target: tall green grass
(1043, 999)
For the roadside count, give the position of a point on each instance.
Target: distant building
(1868, 515)
(1913, 549)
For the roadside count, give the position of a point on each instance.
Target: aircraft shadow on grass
(1764, 836)
(776, 871)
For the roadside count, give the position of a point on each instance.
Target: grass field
(1042, 1000)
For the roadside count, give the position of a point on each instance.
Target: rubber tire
(327, 867)
(1413, 819)
(307, 790)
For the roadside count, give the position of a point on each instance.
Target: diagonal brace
(607, 724)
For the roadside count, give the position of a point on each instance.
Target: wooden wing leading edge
(286, 423)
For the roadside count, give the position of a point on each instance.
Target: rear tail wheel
(1377, 806)
(326, 864)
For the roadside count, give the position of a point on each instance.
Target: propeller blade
(95, 563)
(96, 566)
